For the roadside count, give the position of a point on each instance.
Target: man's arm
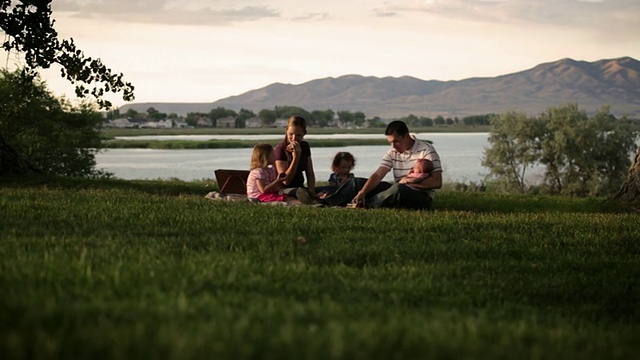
(434, 181)
(373, 181)
(408, 179)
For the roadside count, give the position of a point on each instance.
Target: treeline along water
(461, 155)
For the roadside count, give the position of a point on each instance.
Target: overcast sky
(205, 50)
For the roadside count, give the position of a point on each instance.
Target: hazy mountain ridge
(614, 82)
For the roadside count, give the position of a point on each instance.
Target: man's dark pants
(385, 195)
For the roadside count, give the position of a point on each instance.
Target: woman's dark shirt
(282, 154)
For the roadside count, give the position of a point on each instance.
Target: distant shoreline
(228, 144)
(110, 142)
(109, 134)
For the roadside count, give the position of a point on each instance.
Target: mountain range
(612, 82)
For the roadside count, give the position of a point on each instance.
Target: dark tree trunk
(630, 190)
(12, 162)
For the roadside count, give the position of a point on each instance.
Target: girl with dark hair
(342, 165)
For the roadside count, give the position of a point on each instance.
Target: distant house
(204, 122)
(166, 124)
(180, 124)
(162, 124)
(336, 123)
(280, 123)
(254, 122)
(120, 123)
(226, 122)
(137, 122)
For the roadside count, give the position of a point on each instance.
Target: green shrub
(53, 135)
(581, 155)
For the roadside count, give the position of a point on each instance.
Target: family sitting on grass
(277, 174)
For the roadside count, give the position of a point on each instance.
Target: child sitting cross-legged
(342, 165)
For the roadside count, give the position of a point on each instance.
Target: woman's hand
(296, 148)
(280, 180)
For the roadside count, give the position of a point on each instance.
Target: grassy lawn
(140, 269)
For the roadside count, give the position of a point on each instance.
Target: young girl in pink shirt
(263, 182)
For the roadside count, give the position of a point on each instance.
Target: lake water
(460, 153)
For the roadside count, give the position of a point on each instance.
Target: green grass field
(114, 269)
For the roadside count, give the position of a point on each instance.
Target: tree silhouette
(28, 28)
(28, 25)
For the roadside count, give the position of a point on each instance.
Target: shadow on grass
(445, 200)
(154, 187)
(509, 203)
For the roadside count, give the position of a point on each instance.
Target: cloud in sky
(610, 19)
(204, 50)
(553, 12)
(312, 17)
(166, 12)
(605, 20)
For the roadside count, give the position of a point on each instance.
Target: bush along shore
(111, 269)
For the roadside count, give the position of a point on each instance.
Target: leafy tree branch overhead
(28, 26)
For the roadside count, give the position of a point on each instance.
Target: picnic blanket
(214, 195)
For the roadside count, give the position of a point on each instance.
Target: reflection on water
(461, 155)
